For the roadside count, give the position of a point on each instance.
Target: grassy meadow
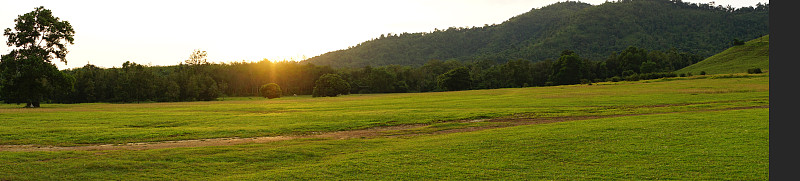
(696, 128)
(737, 59)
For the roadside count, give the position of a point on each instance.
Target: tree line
(631, 63)
(209, 81)
(187, 82)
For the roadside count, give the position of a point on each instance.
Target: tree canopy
(26, 73)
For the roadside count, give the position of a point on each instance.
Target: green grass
(713, 145)
(102, 123)
(686, 128)
(737, 59)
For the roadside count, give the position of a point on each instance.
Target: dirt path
(388, 131)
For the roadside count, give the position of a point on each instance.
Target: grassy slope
(737, 59)
(121, 123)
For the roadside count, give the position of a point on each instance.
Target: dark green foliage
(737, 42)
(568, 69)
(540, 34)
(207, 89)
(271, 90)
(754, 71)
(198, 82)
(454, 80)
(26, 73)
(330, 85)
(702, 72)
(647, 76)
(648, 67)
(136, 83)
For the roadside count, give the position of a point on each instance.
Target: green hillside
(593, 32)
(737, 59)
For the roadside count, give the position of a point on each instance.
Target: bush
(615, 79)
(270, 91)
(737, 42)
(330, 85)
(702, 72)
(754, 71)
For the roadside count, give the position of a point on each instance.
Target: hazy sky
(164, 32)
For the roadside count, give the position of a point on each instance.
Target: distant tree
(173, 92)
(271, 90)
(197, 58)
(330, 85)
(648, 67)
(208, 88)
(454, 80)
(567, 70)
(26, 73)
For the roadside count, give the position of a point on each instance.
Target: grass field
(737, 59)
(697, 128)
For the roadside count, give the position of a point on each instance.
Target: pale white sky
(164, 32)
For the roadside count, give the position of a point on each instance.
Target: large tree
(27, 74)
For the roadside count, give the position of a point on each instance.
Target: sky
(165, 32)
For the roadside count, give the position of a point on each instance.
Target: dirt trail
(388, 131)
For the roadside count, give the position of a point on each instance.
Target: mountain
(736, 59)
(593, 32)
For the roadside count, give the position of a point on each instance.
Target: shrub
(615, 79)
(270, 91)
(702, 72)
(330, 85)
(737, 42)
(754, 71)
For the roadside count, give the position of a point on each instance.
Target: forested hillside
(594, 32)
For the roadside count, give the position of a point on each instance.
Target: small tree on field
(270, 91)
(330, 85)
